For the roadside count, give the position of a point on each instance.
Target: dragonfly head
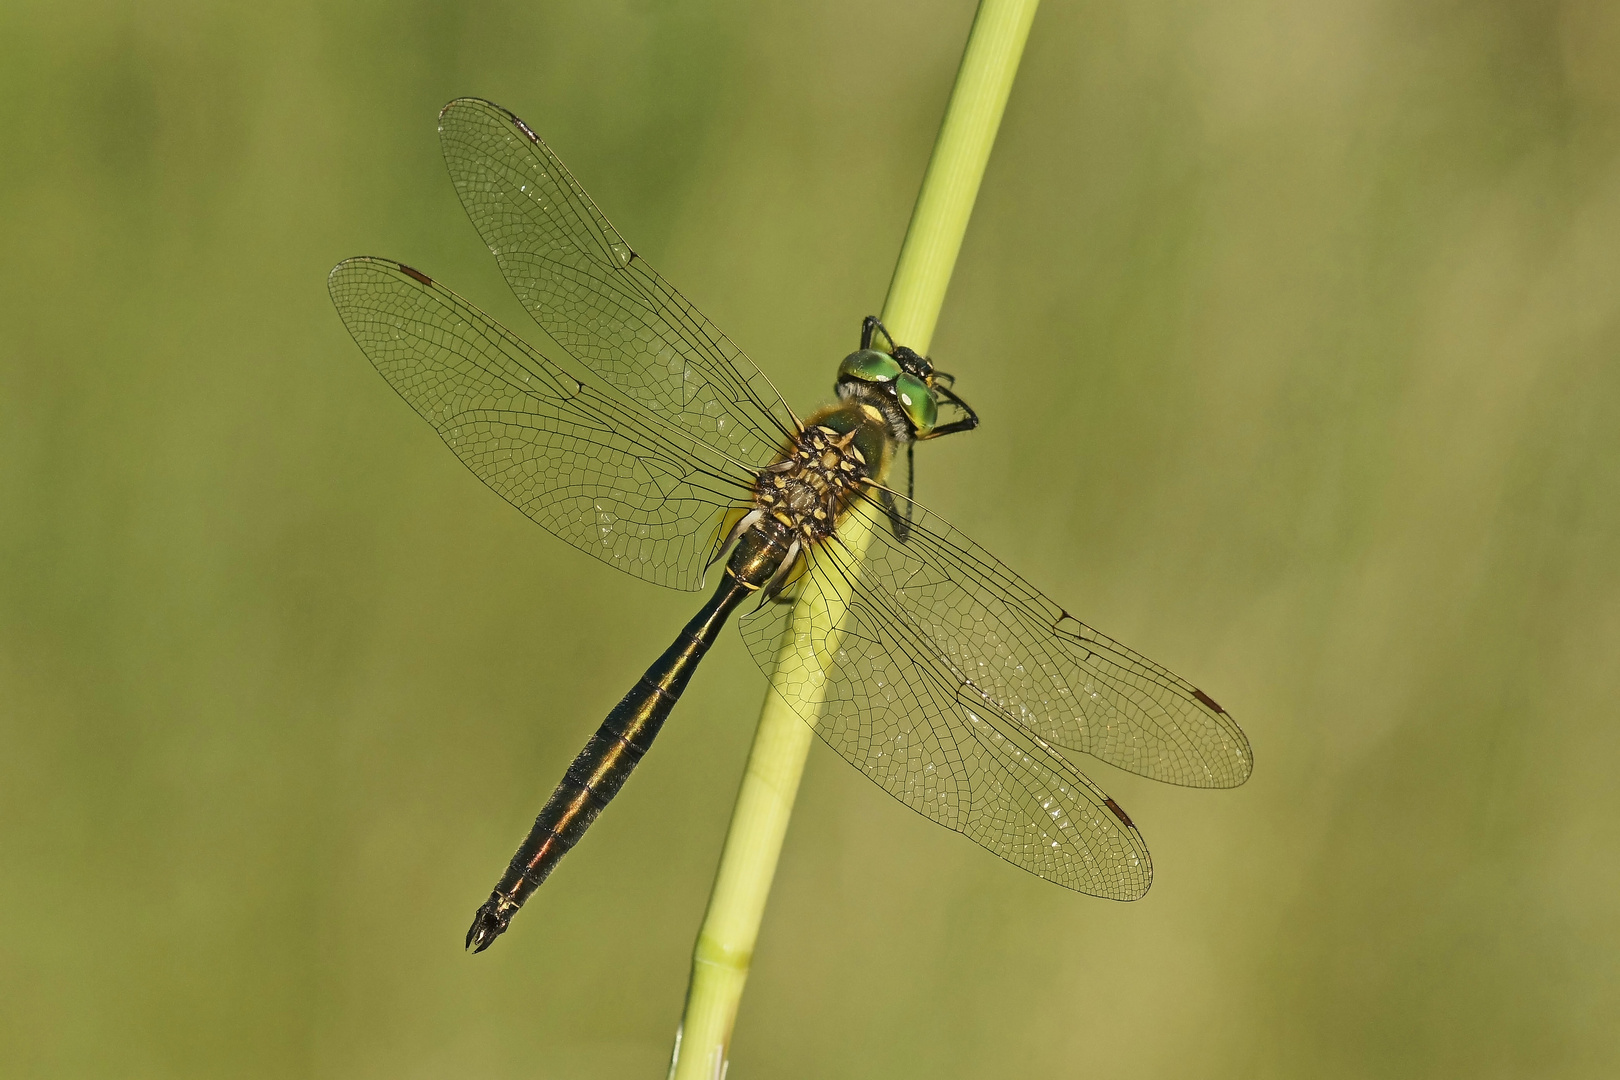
(901, 378)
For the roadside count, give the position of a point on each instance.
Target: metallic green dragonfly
(658, 447)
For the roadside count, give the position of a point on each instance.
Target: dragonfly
(657, 446)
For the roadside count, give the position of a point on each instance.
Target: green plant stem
(759, 821)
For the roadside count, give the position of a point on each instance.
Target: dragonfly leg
(943, 390)
(873, 323)
(899, 524)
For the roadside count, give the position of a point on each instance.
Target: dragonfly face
(655, 445)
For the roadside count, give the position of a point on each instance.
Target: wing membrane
(879, 692)
(582, 282)
(603, 474)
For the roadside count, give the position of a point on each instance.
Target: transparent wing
(1013, 651)
(880, 692)
(579, 279)
(596, 470)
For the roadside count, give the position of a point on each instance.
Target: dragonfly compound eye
(868, 365)
(918, 403)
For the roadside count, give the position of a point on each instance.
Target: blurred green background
(1295, 328)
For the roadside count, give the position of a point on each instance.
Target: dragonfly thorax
(800, 499)
(807, 490)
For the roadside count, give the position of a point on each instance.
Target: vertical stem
(725, 944)
(949, 188)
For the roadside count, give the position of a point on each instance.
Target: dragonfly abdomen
(600, 770)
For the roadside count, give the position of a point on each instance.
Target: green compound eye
(868, 365)
(917, 402)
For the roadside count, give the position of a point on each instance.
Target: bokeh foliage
(1296, 332)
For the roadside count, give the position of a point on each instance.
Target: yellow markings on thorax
(808, 487)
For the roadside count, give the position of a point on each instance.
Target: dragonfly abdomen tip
(487, 925)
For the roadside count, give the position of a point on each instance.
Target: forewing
(600, 300)
(879, 693)
(592, 468)
(1012, 650)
